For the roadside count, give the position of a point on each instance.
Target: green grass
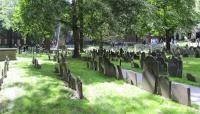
(44, 93)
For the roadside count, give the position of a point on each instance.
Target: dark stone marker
(175, 67)
(1, 81)
(181, 94)
(142, 57)
(197, 53)
(165, 87)
(110, 69)
(162, 65)
(95, 65)
(79, 88)
(190, 77)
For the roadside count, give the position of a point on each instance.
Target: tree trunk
(76, 43)
(168, 40)
(9, 38)
(75, 31)
(47, 43)
(81, 25)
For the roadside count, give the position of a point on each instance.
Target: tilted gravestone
(110, 69)
(181, 94)
(119, 75)
(150, 74)
(79, 88)
(175, 67)
(165, 87)
(132, 78)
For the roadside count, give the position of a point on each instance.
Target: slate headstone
(181, 94)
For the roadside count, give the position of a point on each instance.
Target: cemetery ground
(39, 91)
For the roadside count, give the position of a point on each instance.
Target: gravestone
(72, 83)
(95, 65)
(175, 67)
(162, 65)
(79, 88)
(132, 78)
(110, 69)
(150, 74)
(165, 87)
(197, 53)
(181, 94)
(190, 77)
(142, 57)
(119, 73)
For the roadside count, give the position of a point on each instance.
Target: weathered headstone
(132, 78)
(181, 94)
(150, 74)
(110, 69)
(190, 77)
(79, 88)
(175, 67)
(119, 73)
(162, 65)
(165, 87)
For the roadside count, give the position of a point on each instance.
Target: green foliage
(39, 17)
(100, 18)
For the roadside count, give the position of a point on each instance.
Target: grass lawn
(41, 92)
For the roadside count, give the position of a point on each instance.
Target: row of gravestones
(4, 71)
(152, 81)
(186, 51)
(117, 55)
(65, 74)
(158, 84)
(172, 66)
(103, 65)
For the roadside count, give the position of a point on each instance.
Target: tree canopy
(98, 19)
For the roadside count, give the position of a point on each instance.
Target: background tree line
(99, 19)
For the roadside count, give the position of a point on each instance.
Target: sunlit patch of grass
(46, 94)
